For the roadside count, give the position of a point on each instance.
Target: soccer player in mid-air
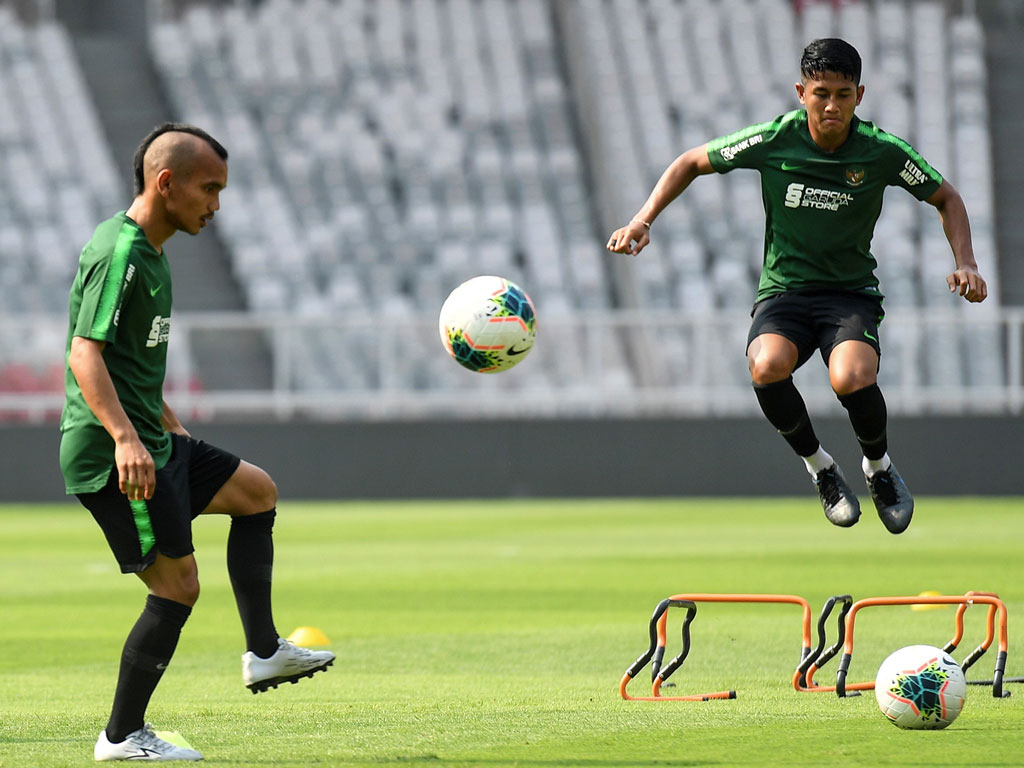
(823, 174)
(132, 464)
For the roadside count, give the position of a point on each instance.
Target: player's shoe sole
(273, 682)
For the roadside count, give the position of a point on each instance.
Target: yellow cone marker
(928, 606)
(173, 737)
(310, 637)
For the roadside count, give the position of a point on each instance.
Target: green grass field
(494, 634)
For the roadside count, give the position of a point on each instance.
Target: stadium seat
(382, 152)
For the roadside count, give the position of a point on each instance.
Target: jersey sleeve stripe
(771, 125)
(908, 150)
(110, 294)
(724, 141)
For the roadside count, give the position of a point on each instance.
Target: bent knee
(189, 592)
(264, 492)
(852, 380)
(253, 491)
(765, 370)
(184, 590)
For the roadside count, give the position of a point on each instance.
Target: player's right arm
(634, 237)
(136, 475)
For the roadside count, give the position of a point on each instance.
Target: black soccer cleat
(837, 499)
(892, 499)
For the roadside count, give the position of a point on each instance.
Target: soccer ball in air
(920, 687)
(488, 324)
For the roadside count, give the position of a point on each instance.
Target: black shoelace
(884, 488)
(828, 487)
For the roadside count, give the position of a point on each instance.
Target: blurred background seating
(382, 151)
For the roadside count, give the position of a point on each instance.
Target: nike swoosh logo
(513, 351)
(155, 291)
(869, 336)
(786, 166)
(144, 753)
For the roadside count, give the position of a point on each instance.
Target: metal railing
(633, 363)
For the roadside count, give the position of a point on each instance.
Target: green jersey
(121, 296)
(821, 207)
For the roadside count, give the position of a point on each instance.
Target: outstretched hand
(631, 238)
(968, 283)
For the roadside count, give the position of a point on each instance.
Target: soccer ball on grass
(488, 324)
(920, 687)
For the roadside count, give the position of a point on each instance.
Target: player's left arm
(170, 422)
(965, 279)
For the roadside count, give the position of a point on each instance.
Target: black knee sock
(146, 654)
(868, 416)
(250, 566)
(785, 409)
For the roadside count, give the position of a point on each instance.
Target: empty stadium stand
(382, 151)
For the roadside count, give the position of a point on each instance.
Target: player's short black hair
(830, 54)
(160, 130)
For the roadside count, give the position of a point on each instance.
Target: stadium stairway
(1003, 22)
(130, 101)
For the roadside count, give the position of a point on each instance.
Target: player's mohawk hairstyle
(160, 130)
(830, 54)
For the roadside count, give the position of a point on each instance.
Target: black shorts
(818, 320)
(137, 530)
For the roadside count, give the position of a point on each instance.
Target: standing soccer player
(823, 174)
(132, 464)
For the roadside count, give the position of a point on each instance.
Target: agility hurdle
(820, 656)
(657, 630)
(997, 609)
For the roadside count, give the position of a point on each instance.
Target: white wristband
(641, 221)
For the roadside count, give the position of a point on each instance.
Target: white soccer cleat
(289, 664)
(142, 744)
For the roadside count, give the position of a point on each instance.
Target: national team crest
(855, 176)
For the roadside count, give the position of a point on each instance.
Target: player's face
(830, 99)
(192, 200)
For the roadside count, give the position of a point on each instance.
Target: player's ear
(800, 92)
(163, 181)
(860, 94)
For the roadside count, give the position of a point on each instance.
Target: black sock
(146, 654)
(868, 416)
(785, 409)
(250, 566)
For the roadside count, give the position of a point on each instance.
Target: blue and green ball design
(923, 689)
(920, 687)
(488, 324)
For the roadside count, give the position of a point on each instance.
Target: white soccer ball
(488, 324)
(920, 687)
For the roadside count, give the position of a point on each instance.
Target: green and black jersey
(122, 296)
(821, 207)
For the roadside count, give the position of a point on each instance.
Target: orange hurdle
(996, 606)
(658, 637)
(819, 655)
